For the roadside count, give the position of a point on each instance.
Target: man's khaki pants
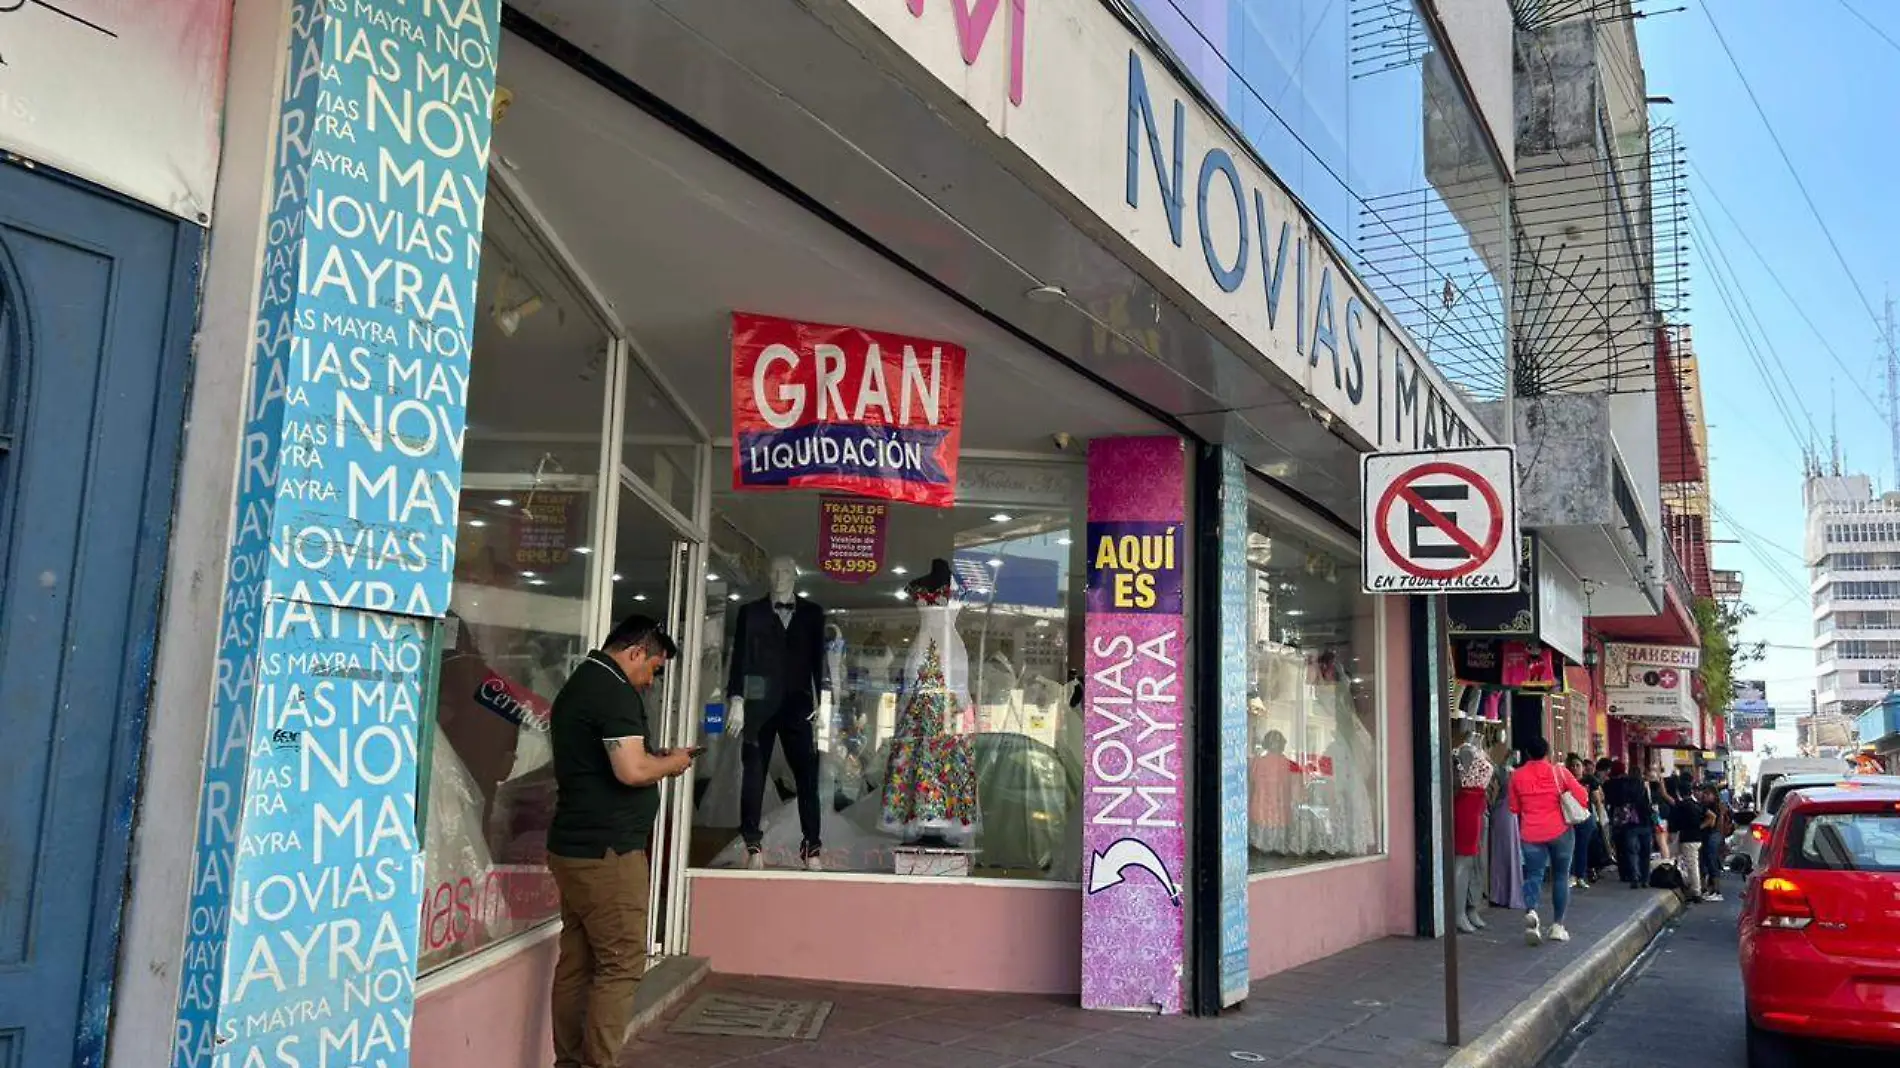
(603, 955)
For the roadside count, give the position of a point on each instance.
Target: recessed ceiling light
(732, 596)
(1296, 611)
(478, 522)
(901, 595)
(639, 596)
(527, 574)
(900, 569)
(616, 576)
(505, 502)
(994, 561)
(537, 582)
(710, 577)
(1065, 540)
(1000, 517)
(802, 593)
(582, 549)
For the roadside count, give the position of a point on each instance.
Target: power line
(1709, 13)
(1882, 34)
(1718, 272)
(1800, 310)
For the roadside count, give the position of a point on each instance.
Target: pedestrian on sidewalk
(606, 798)
(1537, 792)
(1586, 832)
(1716, 827)
(1687, 819)
(1659, 802)
(1635, 821)
(1603, 850)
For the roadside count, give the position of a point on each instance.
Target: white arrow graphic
(1111, 865)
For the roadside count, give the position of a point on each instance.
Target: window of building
(1315, 788)
(522, 611)
(944, 722)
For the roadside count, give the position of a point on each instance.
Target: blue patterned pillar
(306, 885)
(1235, 657)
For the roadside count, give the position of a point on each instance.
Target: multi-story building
(1853, 551)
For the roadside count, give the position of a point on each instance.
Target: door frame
(156, 509)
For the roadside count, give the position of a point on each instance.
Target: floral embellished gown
(931, 785)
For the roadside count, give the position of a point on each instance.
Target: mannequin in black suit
(774, 678)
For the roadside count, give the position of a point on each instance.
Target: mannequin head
(784, 575)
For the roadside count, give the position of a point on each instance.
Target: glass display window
(522, 612)
(941, 709)
(1315, 725)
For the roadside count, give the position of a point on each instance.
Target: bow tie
(787, 605)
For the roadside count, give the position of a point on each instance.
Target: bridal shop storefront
(884, 529)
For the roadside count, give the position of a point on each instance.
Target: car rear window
(1845, 841)
(1780, 793)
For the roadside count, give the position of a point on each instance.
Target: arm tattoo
(613, 743)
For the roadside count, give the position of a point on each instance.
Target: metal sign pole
(1448, 771)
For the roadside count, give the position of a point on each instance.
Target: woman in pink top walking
(1548, 844)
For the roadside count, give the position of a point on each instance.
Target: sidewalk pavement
(1379, 1005)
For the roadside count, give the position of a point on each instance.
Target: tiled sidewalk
(1377, 1006)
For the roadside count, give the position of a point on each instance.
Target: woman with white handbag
(1548, 801)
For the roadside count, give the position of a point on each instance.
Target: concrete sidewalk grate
(737, 1016)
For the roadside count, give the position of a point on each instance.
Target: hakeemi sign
(847, 409)
(1441, 522)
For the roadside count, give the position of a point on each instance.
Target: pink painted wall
(959, 936)
(496, 1017)
(1300, 917)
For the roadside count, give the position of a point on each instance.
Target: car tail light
(1758, 832)
(1784, 905)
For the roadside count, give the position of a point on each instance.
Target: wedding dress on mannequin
(1354, 830)
(930, 785)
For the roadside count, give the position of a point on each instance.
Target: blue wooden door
(96, 307)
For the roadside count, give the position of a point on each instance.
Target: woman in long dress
(1507, 862)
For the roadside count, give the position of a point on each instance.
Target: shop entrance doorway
(658, 555)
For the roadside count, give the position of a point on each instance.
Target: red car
(1820, 926)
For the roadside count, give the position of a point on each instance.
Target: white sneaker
(754, 860)
(1558, 934)
(812, 863)
(1711, 897)
(1476, 920)
(1533, 936)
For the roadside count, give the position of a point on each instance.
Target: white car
(1745, 847)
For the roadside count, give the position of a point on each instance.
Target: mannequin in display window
(774, 678)
(930, 789)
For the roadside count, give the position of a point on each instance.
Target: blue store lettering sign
(1128, 142)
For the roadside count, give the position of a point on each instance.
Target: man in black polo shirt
(607, 782)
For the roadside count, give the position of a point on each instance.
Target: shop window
(943, 720)
(1315, 779)
(522, 611)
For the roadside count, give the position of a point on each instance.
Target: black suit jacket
(773, 665)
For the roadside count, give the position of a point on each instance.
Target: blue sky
(1825, 79)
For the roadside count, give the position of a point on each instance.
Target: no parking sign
(1440, 522)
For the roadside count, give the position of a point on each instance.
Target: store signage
(1440, 522)
(1077, 93)
(1624, 663)
(306, 890)
(1134, 842)
(851, 538)
(127, 95)
(1560, 606)
(547, 528)
(842, 408)
(1754, 715)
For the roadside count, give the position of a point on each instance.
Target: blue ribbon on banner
(905, 454)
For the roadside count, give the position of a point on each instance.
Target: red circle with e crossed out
(1401, 489)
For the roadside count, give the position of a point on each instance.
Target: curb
(1530, 1031)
